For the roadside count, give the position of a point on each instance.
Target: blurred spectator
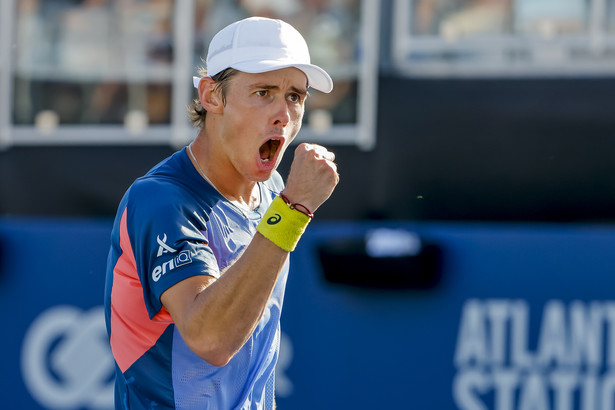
(462, 18)
(86, 41)
(94, 61)
(551, 17)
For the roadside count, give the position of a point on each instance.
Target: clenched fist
(312, 177)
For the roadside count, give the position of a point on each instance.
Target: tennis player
(200, 245)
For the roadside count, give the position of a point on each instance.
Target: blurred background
(465, 260)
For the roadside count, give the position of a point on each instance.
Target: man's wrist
(283, 224)
(299, 207)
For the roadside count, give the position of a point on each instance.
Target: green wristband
(283, 225)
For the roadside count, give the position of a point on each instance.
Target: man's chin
(262, 175)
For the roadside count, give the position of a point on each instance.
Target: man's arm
(217, 316)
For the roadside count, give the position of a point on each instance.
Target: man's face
(262, 115)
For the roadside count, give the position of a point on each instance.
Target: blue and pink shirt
(171, 225)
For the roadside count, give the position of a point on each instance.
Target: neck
(226, 180)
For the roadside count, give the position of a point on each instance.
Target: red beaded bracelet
(299, 207)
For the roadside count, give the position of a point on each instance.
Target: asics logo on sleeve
(272, 220)
(163, 248)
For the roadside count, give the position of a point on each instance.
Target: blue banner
(511, 317)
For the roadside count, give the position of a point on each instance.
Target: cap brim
(317, 77)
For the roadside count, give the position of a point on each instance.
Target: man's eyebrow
(263, 86)
(299, 90)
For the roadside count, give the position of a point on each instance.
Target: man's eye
(294, 98)
(262, 93)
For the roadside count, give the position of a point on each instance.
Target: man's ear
(210, 97)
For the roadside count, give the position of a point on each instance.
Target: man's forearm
(218, 319)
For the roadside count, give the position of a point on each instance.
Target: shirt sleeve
(167, 229)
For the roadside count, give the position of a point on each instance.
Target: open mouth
(268, 150)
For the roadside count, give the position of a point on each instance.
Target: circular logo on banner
(66, 361)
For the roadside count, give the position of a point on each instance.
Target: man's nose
(282, 114)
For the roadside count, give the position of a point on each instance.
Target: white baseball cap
(258, 45)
